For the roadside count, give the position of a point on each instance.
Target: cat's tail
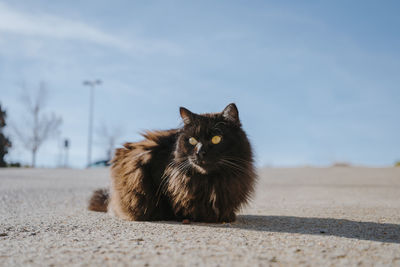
(99, 200)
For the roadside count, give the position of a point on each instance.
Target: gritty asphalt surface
(299, 216)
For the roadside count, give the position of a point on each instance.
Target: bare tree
(109, 138)
(5, 143)
(37, 126)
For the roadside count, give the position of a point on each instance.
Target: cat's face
(209, 140)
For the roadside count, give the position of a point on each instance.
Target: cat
(203, 171)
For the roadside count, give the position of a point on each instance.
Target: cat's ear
(231, 113)
(187, 116)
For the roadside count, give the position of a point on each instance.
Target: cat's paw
(231, 217)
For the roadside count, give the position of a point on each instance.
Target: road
(299, 216)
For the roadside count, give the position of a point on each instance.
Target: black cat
(203, 171)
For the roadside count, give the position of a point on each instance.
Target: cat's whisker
(164, 180)
(234, 171)
(177, 169)
(238, 159)
(233, 165)
(240, 164)
(237, 166)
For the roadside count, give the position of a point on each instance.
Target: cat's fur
(164, 177)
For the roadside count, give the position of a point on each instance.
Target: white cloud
(42, 25)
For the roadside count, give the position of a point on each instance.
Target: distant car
(99, 164)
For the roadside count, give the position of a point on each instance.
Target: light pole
(92, 85)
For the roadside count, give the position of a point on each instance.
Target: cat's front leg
(228, 217)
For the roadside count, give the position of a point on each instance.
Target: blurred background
(316, 82)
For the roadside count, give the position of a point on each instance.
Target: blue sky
(316, 82)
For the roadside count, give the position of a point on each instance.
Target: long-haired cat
(202, 171)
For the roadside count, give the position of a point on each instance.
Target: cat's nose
(199, 151)
(200, 154)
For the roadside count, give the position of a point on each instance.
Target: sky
(315, 82)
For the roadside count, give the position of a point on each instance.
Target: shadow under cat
(372, 231)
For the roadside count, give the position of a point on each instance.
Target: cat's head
(212, 142)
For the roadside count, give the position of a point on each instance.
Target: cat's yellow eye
(193, 141)
(216, 139)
